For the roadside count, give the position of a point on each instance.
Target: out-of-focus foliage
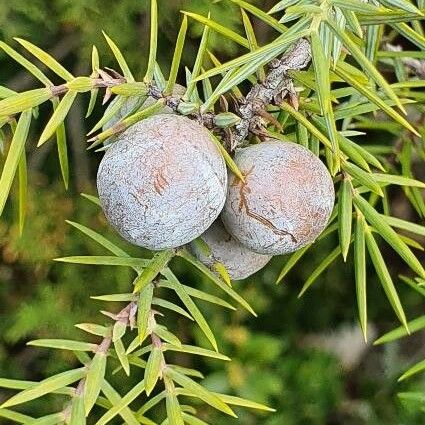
(79, 24)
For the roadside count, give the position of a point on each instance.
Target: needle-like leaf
(94, 379)
(63, 344)
(215, 279)
(385, 277)
(191, 86)
(153, 41)
(400, 332)
(14, 155)
(393, 239)
(59, 114)
(46, 59)
(26, 64)
(120, 404)
(252, 40)
(362, 177)
(360, 270)
(46, 386)
(263, 16)
(321, 70)
(327, 261)
(174, 411)
(62, 152)
(345, 206)
(191, 306)
(120, 58)
(196, 293)
(177, 57)
(231, 35)
(23, 183)
(78, 415)
(20, 102)
(153, 369)
(369, 94)
(199, 391)
(143, 311)
(365, 63)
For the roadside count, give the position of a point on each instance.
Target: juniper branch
(276, 85)
(273, 89)
(252, 110)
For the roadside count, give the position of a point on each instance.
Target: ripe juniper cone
(285, 201)
(240, 262)
(163, 182)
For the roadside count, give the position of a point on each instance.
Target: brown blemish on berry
(243, 205)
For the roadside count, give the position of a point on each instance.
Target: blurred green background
(304, 357)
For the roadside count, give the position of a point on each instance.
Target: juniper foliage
(320, 83)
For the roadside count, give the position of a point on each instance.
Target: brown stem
(274, 88)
